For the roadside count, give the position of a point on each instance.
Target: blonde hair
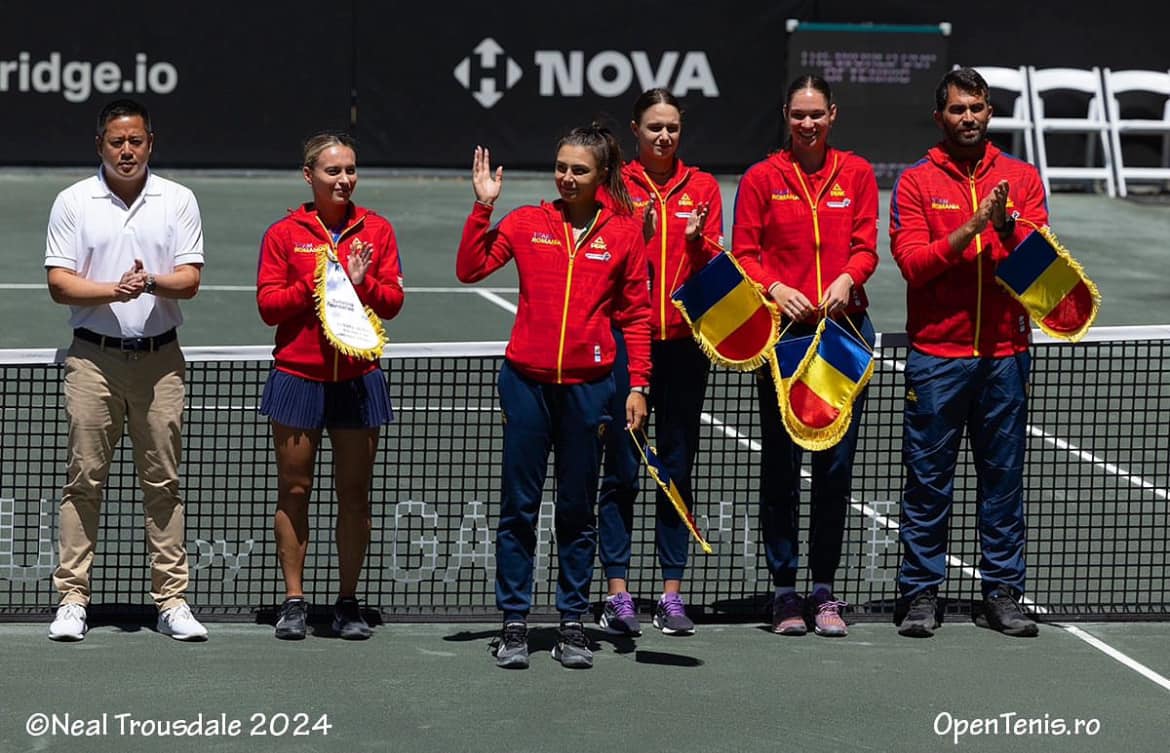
(314, 145)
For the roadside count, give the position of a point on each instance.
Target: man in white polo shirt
(123, 247)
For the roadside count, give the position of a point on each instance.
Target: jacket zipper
(978, 267)
(572, 249)
(812, 203)
(662, 266)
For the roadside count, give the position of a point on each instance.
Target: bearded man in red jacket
(952, 220)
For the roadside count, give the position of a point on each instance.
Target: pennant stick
(658, 473)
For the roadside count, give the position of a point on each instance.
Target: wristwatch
(1008, 226)
(644, 391)
(149, 288)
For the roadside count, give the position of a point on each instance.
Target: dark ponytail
(608, 152)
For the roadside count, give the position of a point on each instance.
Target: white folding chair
(1094, 124)
(1121, 82)
(1018, 120)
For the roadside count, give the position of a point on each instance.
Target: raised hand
(993, 208)
(360, 255)
(486, 185)
(649, 223)
(695, 221)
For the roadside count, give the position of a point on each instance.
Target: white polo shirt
(94, 234)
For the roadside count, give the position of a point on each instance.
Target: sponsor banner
(515, 77)
(226, 86)
(883, 80)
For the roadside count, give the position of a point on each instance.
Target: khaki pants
(106, 389)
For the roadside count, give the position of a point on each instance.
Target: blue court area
(1097, 514)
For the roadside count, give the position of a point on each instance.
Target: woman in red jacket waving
(582, 273)
(328, 274)
(806, 229)
(678, 204)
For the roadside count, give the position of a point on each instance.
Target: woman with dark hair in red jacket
(677, 204)
(806, 229)
(328, 273)
(582, 274)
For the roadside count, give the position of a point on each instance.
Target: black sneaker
(511, 647)
(572, 649)
(348, 623)
(921, 618)
(1002, 612)
(290, 626)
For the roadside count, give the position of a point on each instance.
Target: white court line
(398, 408)
(492, 297)
(965, 568)
(1116, 655)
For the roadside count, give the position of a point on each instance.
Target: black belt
(132, 344)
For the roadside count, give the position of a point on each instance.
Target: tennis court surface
(1097, 495)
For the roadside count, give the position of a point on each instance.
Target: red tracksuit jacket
(673, 258)
(284, 288)
(805, 231)
(571, 294)
(954, 306)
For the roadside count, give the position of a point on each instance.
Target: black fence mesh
(1096, 492)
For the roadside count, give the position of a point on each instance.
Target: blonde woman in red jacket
(582, 274)
(806, 229)
(678, 204)
(314, 385)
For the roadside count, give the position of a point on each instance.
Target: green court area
(1120, 243)
(423, 688)
(1097, 505)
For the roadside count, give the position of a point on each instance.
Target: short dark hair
(122, 108)
(964, 79)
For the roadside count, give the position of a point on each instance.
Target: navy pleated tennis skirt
(361, 403)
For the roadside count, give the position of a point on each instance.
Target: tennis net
(1096, 491)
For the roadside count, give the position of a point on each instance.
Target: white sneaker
(69, 624)
(180, 624)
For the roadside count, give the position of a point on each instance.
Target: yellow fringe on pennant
(370, 354)
(808, 437)
(1075, 265)
(708, 348)
(676, 501)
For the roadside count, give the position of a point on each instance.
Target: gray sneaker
(572, 649)
(511, 646)
(1002, 612)
(291, 624)
(348, 623)
(670, 616)
(921, 617)
(619, 617)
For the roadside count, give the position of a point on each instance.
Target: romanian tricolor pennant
(730, 316)
(1051, 285)
(662, 478)
(817, 379)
